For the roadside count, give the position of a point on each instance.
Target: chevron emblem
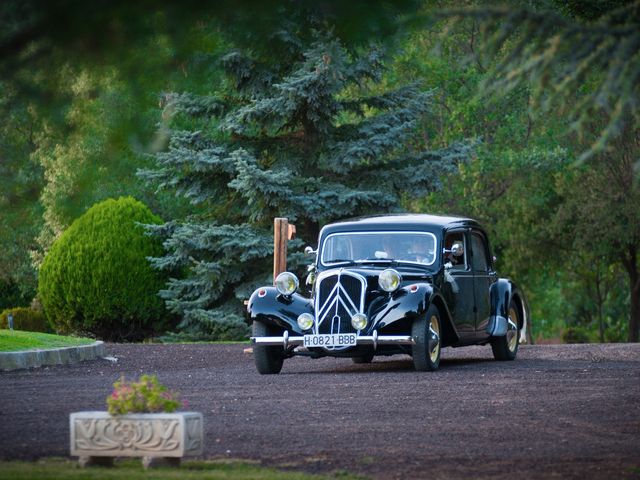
(339, 301)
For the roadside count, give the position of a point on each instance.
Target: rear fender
(525, 319)
(270, 307)
(501, 294)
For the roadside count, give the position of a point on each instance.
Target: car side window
(479, 253)
(456, 238)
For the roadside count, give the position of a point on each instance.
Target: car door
(458, 285)
(483, 277)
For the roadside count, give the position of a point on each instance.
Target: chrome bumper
(286, 341)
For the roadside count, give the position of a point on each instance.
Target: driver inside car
(419, 251)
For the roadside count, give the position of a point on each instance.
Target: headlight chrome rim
(305, 321)
(287, 283)
(390, 280)
(359, 321)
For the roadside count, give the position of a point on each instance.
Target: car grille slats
(339, 296)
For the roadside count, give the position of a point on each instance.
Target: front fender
(270, 307)
(406, 302)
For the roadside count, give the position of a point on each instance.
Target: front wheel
(506, 347)
(426, 334)
(268, 358)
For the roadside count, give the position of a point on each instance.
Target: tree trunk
(600, 302)
(634, 319)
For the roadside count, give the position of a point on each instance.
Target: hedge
(26, 319)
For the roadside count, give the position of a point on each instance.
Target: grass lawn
(131, 469)
(16, 340)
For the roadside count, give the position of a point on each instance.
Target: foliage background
(553, 172)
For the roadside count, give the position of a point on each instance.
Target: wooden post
(282, 233)
(280, 228)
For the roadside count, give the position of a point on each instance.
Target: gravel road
(569, 411)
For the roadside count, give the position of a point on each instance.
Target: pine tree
(306, 130)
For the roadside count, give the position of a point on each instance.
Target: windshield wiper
(340, 260)
(363, 260)
(392, 261)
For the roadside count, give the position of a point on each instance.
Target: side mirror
(457, 250)
(309, 250)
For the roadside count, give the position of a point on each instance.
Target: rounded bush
(96, 278)
(25, 319)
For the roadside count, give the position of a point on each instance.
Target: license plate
(335, 340)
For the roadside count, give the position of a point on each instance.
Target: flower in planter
(147, 395)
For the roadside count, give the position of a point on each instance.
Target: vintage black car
(394, 284)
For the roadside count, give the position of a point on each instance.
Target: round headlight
(389, 280)
(359, 321)
(286, 283)
(305, 321)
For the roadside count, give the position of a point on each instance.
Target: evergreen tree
(305, 130)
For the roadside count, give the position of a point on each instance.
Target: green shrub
(96, 277)
(25, 319)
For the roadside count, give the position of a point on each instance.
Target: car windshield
(409, 247)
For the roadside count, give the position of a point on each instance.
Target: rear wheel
(506, 347)
(426, 334)
(268, 358)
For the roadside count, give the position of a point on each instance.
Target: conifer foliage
(304, 129)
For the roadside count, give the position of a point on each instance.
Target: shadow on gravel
(464, 362)
(390, 366)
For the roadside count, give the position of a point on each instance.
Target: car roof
(410, 221)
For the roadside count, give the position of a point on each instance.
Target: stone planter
(160, 438)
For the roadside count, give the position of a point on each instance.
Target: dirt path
(570, 411)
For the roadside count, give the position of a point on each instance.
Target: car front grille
(339, 296)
